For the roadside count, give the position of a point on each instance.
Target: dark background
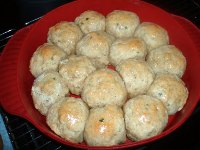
(15, 14)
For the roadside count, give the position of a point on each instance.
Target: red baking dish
(16, 80)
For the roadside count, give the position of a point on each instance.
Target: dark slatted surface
(25, 136)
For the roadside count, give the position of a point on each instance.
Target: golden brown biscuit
(167, 59)
(105, 126)
(170, 90)
(90, 21)
(153, 34)
(96, 45)
(74, 70)
(104, 87)
(48, 88)
(46, 58)
(137, 75)
(65, 35)
(145, 117)
(126, 48)
(67, 118)
(121, 23)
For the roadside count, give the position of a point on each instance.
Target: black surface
(26, 136)
(16, 13)
(189, 9)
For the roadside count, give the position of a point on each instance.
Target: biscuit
(104, 87)
(121, 23)
(74, 70)
(65, 35)
(67, 118)
(96, 45)
(145, 117)
(137, 76)
(48, 88)
(170, 90)
(90, 21)
(153, 34)
(46, 58)
(167, 59)
(126, 48)
(105, 126)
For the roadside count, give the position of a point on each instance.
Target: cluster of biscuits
(132, 98)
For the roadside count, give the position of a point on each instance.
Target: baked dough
(104, 87)
(67, 118)
(65, 35)
(153, 34)
(167, 59)
(145, 117)
(90, 21)
(46, 58)
(137, 75)
(48, 88)
(126, 48)
(96, 45)
(74, 71)
(105, 126)
(170, 90)
(121, 23)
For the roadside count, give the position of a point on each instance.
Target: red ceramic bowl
(16, 80)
